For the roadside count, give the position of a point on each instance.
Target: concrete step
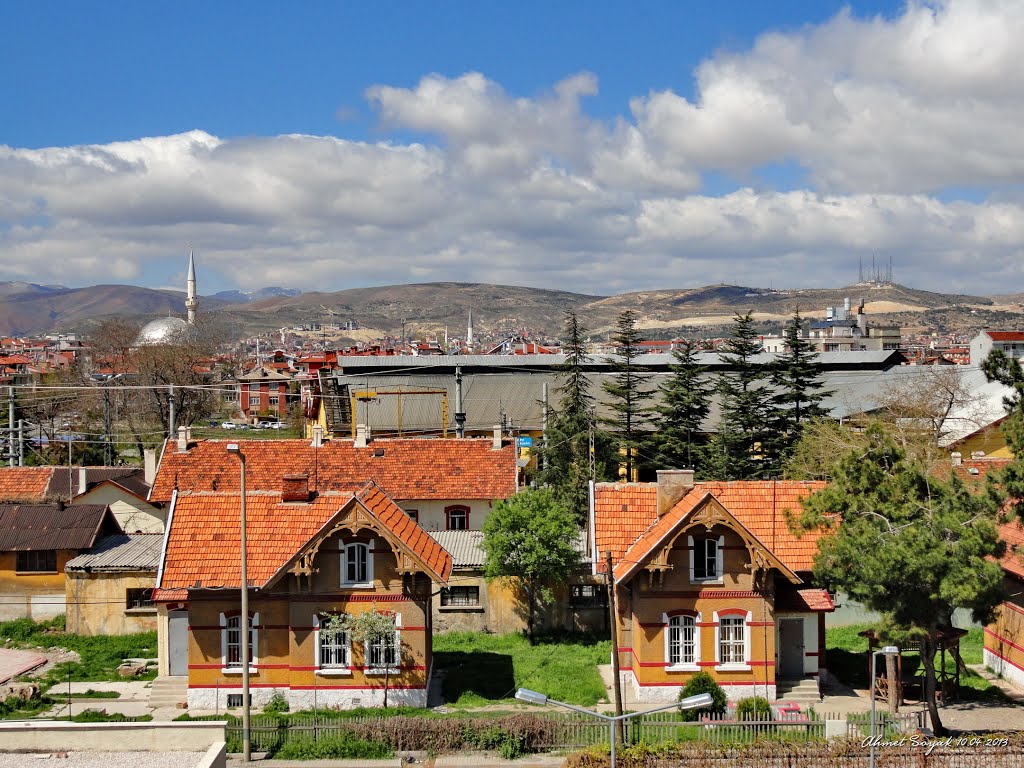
(168, 691)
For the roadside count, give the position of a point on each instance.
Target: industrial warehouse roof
(515, 397)
(121, 552)
(28, 527)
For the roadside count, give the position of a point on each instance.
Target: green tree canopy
(685, 403)
(531, 539)
(627, 394)
(907, 545)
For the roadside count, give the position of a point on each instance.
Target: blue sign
(524, 442)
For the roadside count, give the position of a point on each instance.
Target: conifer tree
(735, 452)
(907, 545)
(685, 403)
(627, 396)
(566, 459)
(799, 392)
(1007, 371)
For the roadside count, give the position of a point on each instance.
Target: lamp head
(232, 448)
(531, 697)
(890, 650)
(696, 702)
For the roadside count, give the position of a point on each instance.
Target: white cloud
(885, 119)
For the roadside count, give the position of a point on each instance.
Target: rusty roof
(625, 512)
(203, 539)
(403, 468)
(27, 527)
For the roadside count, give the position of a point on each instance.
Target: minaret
(469, 329)
(191, 301)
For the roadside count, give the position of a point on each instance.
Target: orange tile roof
(1013, 561)
(406, 469)
(203, 542)
(627, 520)
(24, 483)
(804, 600)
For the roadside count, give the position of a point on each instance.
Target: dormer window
(706, 558)
(357, 565)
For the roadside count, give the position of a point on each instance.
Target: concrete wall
(432, 517)
(133, 514)
(96, 603)
(35, 595)
(50, 735)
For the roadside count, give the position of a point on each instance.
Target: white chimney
(83, 481)
(318, 436)
(361, 436)
(496, 443)
(673, 484)
(182, 439)
(149, 466)
(956, 458)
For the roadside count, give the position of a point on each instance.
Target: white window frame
(385, 670)
(345, 549)
(732, 666)
(330, 669)
(254, 632)
(682, 666)
(272, 400)
(254, 401)
(719, 559)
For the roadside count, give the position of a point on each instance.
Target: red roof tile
(203, 543)
(403, 468)
(804, 600)
(1006, 335)
(626, 517)
(24, 483)
(1013, 561)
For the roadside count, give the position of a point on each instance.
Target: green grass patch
(14, 708)
(88, 694)
(99, 716)
(482, 669)
(100, 655)
(339, 747)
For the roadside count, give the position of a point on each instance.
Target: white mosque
(167, 330)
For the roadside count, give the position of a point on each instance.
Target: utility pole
(108, 459)
(616, 677)
(171, 426)
(10, 426)
(21, 442)
(544, 427)
(460, 415)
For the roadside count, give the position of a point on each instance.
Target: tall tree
(799, 390)
(530, 541)
(627, 396)
(685, 403)
(907, 545)
(735, 452)
(1007, 371)
(566, 457)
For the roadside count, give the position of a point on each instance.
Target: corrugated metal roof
(130, 478)
(121, 552)
(467, 547)
(48, 526)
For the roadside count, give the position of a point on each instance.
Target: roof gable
(25, 527)
(403, 468)
(698, 508)
(24, 483)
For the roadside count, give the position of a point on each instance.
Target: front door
(177, 642)
(791, 648)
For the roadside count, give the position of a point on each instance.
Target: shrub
(702, 682)
(277, 704)
(342, 746)
(753, 708)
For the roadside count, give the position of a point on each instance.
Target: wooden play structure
(910, 669)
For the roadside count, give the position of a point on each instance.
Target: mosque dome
(165, 330)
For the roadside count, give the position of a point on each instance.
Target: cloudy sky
(588, 146)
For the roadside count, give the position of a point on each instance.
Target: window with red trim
(457, 518)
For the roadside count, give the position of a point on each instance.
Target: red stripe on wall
(812, 653)
(1003, 640)
(1003, 658)
(758, 684)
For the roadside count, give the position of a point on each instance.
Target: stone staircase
(803, 691)
(168, 692)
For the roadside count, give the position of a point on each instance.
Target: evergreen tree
(1007, 371)
(799, 391)
(565, 460)
(744, 426)
(627, 397)
(907, 545)
(685, 402)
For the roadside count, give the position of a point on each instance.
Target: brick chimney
(295, 488)
(673, 484)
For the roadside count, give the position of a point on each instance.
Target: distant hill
(429, 308)
(247, 297)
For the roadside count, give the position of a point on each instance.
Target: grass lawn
(483, 669)
(847, 658)
(100, 655)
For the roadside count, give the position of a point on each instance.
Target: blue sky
(590, 146)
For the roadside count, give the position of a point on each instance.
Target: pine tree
(907, 545)
(735, 452)
(566, 458)
(685, 403)
(627, 396)
(799, 391)
(1007, 371)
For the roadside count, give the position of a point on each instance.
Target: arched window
(357, 564)
(682, 640)
(457, 518)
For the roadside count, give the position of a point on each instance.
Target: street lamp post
(244, 623)
(690, 702)
(889, 650)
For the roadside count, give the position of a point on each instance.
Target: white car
(228, 425)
